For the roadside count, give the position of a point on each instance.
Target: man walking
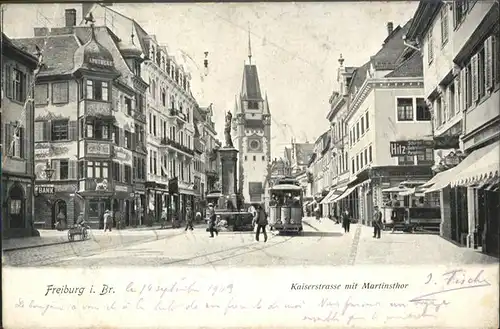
(212, 219)
(261, 220)
(377, 223)
(108, 221)
(346, 221)
(189, 220)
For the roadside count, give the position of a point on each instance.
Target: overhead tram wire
(294, 54)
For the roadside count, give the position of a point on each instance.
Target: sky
(295, 46)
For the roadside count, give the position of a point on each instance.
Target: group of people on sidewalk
(377, 222)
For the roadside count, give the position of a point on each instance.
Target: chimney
(70, 15)
(390, 28)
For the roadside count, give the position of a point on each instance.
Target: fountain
(231, 217)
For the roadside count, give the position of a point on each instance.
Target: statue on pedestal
(227, 130)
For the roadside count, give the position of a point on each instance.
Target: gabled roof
(359, 76)
(421, 21)
(412, 66)
(57, 53)
(387, 57)
(250, 88)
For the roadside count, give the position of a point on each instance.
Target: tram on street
(285, 206)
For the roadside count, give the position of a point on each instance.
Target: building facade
(459, 42)
(252, 123)
(17, 121)
(379, 103)
(89, 144)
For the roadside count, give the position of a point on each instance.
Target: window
(357, 131)
(405, 109)
(430, 47)
(163, 97)
(423, 113)
(154, 125)
(128, 105)
(116, 135)
(254, 158)
(127, 174)
(357, 162)
(97, 169)
(352, 166)
(426, 158)
(60, 130)
(155, 163)
(361, 164)
(366, 121)
(253, 105)
(444, 25)
(366, 156)
(42, 94)
(63, 169)
(370, 154)
(362, 125)
(460, 8)
(481, 74)
(60, 91)
(19, 85)
(406, 160)
(263, 158)
(128, 139)
(139, 103)
(116, 171)
(246, 158)
(97, 90)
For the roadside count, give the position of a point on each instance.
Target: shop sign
(44, 189)
(410, 147)
(99, 61)
(121, 188)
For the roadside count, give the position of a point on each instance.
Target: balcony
(102, 186)
(98, 109)
(139, 116)
(181, 117)
(176, 146)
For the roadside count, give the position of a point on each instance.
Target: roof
(422, 18)
(303, 152)
(250, 88)
(57, 53)
(387, 57)
(409, 67)
(359, 76)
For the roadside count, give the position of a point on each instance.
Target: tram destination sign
(410, 147)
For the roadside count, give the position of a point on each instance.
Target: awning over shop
(333, 195)
(482, 169)
(345, 194)
(407, 192)
(445, 178)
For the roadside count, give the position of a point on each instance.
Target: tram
(285, 206)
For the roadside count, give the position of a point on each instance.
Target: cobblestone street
(323, 243)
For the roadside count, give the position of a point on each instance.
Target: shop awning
(482, 169)
(346, 193)
(333, 194)
(406, 192)
(445, 178)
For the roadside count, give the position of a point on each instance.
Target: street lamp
(49, 172)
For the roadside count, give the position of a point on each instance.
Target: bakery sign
(410, 147)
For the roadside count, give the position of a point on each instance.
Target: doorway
(59, 213)
(16, 206)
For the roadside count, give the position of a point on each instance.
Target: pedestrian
(164, 217)
(212, 217)
(377, 223)
(189, 220)
(318, 213)
(346, 221)
(197, 217)
(108, 221)
(261, 220)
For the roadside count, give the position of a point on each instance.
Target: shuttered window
(60, 91)
(444, 25)
(14, 141)
(60, 130)
(456, 94)
(42, 94)
(474, 79)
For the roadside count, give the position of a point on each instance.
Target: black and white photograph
(238, 135)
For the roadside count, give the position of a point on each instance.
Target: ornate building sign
(100, 149)
(98, 108)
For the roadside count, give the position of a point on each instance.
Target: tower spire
(249, 46)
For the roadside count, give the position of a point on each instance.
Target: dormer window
(97, 90)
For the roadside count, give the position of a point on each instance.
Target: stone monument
(229, 158)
